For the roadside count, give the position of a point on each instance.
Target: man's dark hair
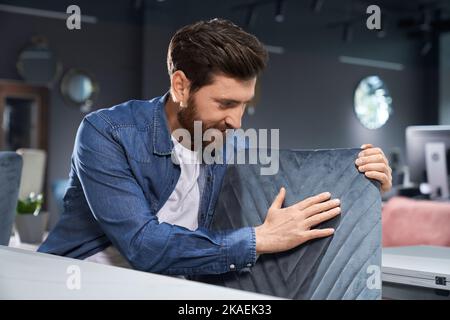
(216, 46)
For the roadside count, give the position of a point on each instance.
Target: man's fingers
(322, 217)
(381, 177)
(278, 202)
(319, 233)
(321, 207)
(366, 145)
(371, 152)
(380, 167)
(321, 197)
(377, 158)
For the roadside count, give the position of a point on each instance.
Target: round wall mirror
(37, 64)
(373, 103)
(79, 88)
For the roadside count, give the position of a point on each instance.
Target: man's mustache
(219, 128)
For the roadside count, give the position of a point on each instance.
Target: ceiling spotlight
(427, 46)
(279, 10)
(316, 5)
(250, 17)
(347, 34)
(137, 4)
(381, 33)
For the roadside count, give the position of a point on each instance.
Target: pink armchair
(408, 222)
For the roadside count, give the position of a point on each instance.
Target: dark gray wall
(110, 50)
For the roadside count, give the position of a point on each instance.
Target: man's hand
(286, 228)
(375, 165)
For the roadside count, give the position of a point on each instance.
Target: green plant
(31, 205)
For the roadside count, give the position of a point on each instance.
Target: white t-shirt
(181, 208)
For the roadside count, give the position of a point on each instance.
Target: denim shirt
(121, 175)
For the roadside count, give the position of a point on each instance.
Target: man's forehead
(228, 88)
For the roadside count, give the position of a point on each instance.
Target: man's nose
(234, 118)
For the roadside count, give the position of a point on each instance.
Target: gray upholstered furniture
(344, 266)
(10, 173)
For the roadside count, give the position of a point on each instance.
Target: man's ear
(179, 87)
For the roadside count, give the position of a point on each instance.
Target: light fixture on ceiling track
(347, 32)
(279, 10)
(250, 16)
(317, 5)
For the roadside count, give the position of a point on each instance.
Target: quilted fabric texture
(337, 267)
(10, 173)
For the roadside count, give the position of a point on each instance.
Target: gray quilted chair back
(10, 173)
(344, 266)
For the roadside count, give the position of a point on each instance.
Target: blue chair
(333, 268)
(10, 174)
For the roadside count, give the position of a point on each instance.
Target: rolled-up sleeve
(119, 205)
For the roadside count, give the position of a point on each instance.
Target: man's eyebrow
(230, 101)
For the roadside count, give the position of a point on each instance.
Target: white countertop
(31, 275)
(417, 265)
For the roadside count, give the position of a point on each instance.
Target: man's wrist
(259, 247)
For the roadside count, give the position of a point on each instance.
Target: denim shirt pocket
(135, 141)
(151, 171)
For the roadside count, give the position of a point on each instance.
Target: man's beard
(186, 117)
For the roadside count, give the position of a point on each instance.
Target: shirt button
(249, 265)
(232, 266)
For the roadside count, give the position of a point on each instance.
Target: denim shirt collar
(162, 143)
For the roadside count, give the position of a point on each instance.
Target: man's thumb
(278, 202)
